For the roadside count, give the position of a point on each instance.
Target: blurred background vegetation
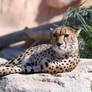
(82, 18)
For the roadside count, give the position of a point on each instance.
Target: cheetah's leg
(5, 70)
(45, 65)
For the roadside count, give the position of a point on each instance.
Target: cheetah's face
(64, 40)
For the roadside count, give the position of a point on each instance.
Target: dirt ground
(16, 14)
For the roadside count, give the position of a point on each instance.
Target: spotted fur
(62, 55)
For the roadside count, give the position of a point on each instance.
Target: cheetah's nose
(58, 44)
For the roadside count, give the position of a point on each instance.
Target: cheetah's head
(64, 40)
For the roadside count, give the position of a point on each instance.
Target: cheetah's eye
(66, 35)
(54, 35)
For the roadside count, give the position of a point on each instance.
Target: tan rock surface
(78, 80)
(59, 4)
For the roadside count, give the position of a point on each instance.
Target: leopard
(59, 56)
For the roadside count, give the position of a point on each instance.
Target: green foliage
(82, 18)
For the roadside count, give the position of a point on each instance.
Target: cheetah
(58, 56)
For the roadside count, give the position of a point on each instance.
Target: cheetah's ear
(78, 32)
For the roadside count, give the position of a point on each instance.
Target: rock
(79, 80)
(59, 3)
(69, 82)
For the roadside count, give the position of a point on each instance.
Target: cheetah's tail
(4, 70)
(22, 69)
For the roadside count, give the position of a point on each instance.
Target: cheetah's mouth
(63, 50)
